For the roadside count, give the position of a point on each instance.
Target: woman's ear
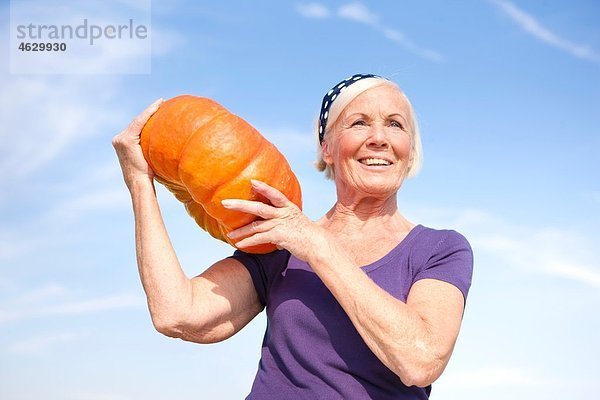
(326, 152)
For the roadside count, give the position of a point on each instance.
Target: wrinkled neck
(366, 214)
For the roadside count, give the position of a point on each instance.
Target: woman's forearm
(168, 290)
(402, 335)
(395, 333)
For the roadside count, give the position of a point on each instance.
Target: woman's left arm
(413, 339)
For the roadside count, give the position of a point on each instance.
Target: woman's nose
(377, 136)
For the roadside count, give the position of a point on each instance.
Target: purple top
(311, 350)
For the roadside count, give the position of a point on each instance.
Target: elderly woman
(362, 303)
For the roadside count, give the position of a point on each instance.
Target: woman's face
(370, 145)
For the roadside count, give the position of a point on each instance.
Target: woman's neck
(362, 215)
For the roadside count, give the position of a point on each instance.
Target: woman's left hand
(282, 224)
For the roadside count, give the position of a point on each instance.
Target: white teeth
(374, 161)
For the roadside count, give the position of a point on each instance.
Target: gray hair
(344, 98)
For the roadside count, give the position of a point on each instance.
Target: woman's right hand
(129, 151)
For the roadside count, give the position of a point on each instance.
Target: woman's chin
(373, 184)
(379, 187)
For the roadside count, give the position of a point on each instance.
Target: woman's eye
(396, 124)
(359, 122)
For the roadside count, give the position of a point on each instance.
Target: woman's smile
(375, 162)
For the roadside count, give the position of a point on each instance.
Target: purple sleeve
(451, 261)
(263, 268)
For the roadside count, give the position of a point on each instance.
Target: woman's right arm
(206, 309)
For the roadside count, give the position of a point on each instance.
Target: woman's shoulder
(443, 254)
(438, 234)
(434, 240)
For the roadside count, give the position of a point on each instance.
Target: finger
(257, 208)
(252, 228)
(277, 198)
(254, 240)
(138, 123)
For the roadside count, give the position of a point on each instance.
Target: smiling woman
(336, 101)
(361, 303)
(370, 143)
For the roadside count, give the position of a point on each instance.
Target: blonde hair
(343, 99)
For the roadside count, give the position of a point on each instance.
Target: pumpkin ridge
(251, 161)
(183, 148)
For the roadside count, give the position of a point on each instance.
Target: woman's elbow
(168, 327)
(188, 332)
(423, 372)
(418, 378)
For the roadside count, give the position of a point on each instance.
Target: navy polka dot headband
(330, 97)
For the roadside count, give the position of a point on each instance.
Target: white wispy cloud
(13, 244)
(71, 210)
(65, 114)
(358, 12)
(44, 115)
(118, 301)
(313, 10)
(398, 37)
(41, 344)
(531, 25)
(17, 311)
(95, 189)
(584, 273)
(44, 118)
(107, 172)
(554, 251)
(41, 294)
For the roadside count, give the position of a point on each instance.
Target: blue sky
(507, 96)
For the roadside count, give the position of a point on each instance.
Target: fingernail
(226, 203)
(254, 182)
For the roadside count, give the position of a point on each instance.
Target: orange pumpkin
(203, 154)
